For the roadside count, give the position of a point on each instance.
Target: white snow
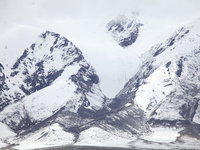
(50, 136)
(44, 103)
(13, 114)
(68, 71)
(162, 135)
(154, 91)
(98, 137)
(196, 117)
(14, 39)
(5, 132)
(113, 64)
(3, 144)
(162, 82)
(96, 98)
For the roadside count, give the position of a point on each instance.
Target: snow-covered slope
(50, 81)
(113, 65)
(6, 133)
(166, 87)
(50, 136)
(50, 74)
(51, 92)
(97, 136)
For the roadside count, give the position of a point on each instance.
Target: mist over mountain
(126, 80)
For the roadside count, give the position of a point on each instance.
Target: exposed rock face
(44, 61)
(166, 87)
(3, 87)
(124, 30)
(52, 82)
(52, 89)
(45, 64)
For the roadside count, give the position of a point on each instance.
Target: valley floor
(160, 138)
(138, 145)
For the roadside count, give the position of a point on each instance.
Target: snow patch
(5, 133)
(50, 136)
(163, 135)
(44, 103)
(99, 137)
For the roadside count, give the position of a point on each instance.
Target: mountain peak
(124, 29)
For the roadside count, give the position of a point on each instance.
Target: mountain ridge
(162, 94)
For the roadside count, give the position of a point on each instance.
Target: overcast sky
(64, 16)
(37, 12)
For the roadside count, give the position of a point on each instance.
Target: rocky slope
(125, 29)
(166, 87)
(51, 93)
(50, 83)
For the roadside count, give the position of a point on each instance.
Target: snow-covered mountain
(50, 65)
(168, 76)
(50, 74)
(52, 95)
(51, 82)
(167, 85)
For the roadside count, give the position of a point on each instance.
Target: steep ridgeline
(124, 29)
(51, 85)
(167, 85)
(49, 74)
(3, 86)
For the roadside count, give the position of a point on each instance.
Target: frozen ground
(5, 133)
(159, 138)
(113, 64)
(47, 137)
